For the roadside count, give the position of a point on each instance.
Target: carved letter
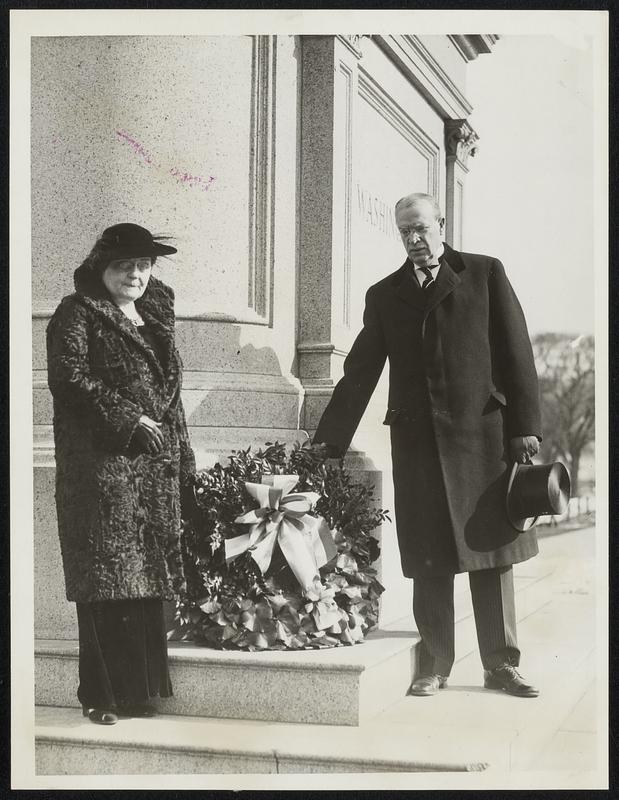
(370, 210)
(381, 212)
(361, 200)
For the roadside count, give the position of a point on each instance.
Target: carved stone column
(327, 202)
(460, 144)
(329, 88)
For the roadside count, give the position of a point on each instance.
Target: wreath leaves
(234, 606)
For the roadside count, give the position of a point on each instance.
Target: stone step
(339, 686)
(463, 728)
(67, 744)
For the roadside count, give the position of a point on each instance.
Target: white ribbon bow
(306, 541)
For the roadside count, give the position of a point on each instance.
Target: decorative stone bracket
(353, 43)
(460, 141)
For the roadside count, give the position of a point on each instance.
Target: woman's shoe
(137, 710)
(100, 716)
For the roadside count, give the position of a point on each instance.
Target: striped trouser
(492, 592)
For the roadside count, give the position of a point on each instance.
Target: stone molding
(321, 347)
(211, 399)
(472, 45)
(349, 79)
(210, 381)
(422, 70)
(182, 314)
(262, 178)
(210, 444)
(460, 141)
(353, 43)
(392, 113)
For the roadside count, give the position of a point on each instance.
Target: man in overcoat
(463, 405)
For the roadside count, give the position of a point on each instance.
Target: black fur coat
(118, 508)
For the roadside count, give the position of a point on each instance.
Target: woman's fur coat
(118, 508)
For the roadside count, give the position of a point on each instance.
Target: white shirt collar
(421, 275)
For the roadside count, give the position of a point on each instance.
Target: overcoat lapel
(408, 288)
(445, 283)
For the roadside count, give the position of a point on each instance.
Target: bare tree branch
(566, 370)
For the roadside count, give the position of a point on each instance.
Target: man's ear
(441, 223)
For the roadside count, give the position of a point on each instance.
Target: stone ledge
(68, 744)
(339, 686)
(209, 443)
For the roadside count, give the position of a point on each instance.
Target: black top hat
(127, 240)
(534, 490)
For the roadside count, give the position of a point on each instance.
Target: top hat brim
(521, 524)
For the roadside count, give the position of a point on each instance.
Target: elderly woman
(122, 457)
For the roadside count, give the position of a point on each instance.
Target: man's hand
(326, 451)
(523, 448)
(148, 435)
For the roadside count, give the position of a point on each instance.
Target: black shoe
(506, 678)
(427, 685)
(137, 710)
(100, 716)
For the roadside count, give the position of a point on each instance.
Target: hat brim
(154, 250)
(521, 524)
(163, 249)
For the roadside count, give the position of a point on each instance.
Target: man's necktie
(428, 280)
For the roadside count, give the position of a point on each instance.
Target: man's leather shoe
(426, 685)
(506, 678)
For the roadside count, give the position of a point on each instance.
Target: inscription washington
(377, 213)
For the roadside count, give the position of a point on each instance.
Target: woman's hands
(148, 435)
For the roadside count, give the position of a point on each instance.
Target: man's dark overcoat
(462, 382)
(118, 508)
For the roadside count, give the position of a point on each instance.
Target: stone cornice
(472, 45)
(420, 67)
(460, 140)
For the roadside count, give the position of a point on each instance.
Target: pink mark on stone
(136, 146)
(191, 180)
(184, 178)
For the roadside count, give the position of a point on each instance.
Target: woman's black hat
(127, 240)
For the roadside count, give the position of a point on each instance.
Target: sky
(529, 188)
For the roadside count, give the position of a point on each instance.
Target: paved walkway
(562, 730)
